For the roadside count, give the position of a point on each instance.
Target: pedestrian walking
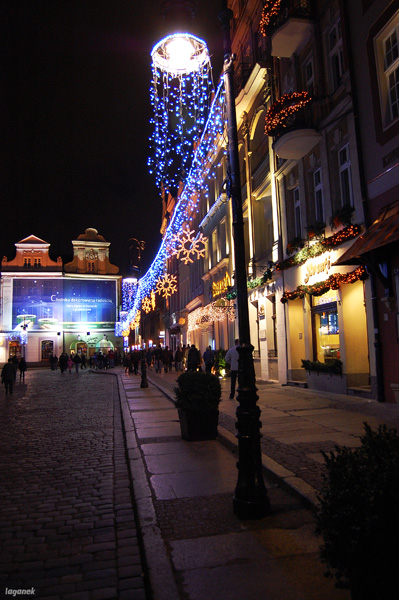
(178, 359)
(77, 360)
(83, 361)
(158, 359)
(231, 359)
(209, 359)
(193, 358)
(22, 366)
(8, 375)
(63, 362)
(70, 364)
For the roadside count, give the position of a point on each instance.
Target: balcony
(291, 122)
(288, 24)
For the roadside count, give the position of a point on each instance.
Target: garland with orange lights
(270, 10)
(332, 283)
(322, 246)
(284, 107)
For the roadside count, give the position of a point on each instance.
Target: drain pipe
(364, 192)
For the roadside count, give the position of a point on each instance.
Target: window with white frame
(391, 68)
(336, 54)
(386, 53)
(318, 196)
(297, 213)
(345, 176)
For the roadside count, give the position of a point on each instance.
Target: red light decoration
(284, 107)
(271, 9)
(320, 288)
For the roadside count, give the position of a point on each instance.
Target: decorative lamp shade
(180, 53)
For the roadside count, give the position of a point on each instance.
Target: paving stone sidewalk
(297, 425)
(68, 527)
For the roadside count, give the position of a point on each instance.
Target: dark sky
(75, 120)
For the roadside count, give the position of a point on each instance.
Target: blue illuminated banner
(63, 303)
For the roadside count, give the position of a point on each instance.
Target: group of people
(9, 372)
(189, 358)
(77, 361)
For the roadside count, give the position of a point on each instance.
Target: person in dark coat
(193, 358)
(209, 359)
(22, 366)
(8, 375)
(63, 362)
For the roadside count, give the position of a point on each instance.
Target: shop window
(325, 332)
(14, 349)
(47, 349)
(345, 176)
(318, 195)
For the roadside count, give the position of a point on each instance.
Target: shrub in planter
(359, 518)
(334, 367)
(197, 400)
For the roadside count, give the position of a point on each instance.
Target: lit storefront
(326, 321)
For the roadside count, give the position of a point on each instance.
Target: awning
(384, 230)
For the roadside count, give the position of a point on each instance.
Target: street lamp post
(250, 497)
(140, 246)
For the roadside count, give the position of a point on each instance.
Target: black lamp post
(250, 497)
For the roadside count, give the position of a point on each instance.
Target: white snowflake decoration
(185, 245)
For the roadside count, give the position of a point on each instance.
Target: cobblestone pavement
(298, 424)
(68, 527)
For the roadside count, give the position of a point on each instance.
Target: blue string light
(195, 185)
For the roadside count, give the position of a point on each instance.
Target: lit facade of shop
(46, 310)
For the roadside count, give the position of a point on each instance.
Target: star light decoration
(181, 96)
(166, 285)
(186, 244)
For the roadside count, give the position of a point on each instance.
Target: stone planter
(326, 382)
(198, 425)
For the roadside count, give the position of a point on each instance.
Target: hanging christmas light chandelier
(180, 95)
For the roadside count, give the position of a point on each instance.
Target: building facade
(49, 309)
(311, 189)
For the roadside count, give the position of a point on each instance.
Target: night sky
(76, 108)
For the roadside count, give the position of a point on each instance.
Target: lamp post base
(250, 497)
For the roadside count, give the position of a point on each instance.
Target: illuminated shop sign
(221, 287)
(50, 304)
(317, 268)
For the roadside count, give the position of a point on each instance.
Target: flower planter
(198, 425)
(326, 382)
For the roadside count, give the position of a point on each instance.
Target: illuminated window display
(326, 330)
(40, 304)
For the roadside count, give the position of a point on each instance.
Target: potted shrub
(197, 401)
(358, 517)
